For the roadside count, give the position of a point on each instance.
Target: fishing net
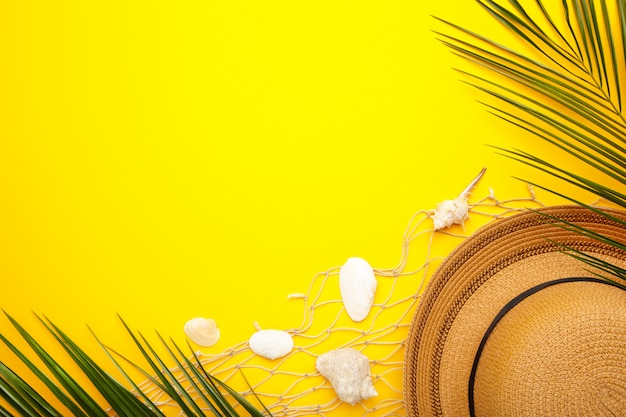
(291, 385)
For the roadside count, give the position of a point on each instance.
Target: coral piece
(271, 344)
(456, 211)
(357, 284)
(203, 332)
(348, 371)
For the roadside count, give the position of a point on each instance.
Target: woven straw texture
(529, 366)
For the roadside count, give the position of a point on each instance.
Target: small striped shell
(203, 332)
(271, 344)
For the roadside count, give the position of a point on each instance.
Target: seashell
(203, 332)
(456, 211)
(450, 212)
(357, 285)
(348, 371)
(271, 344)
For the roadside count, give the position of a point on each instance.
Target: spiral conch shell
(348, 371)
(456, 211)
(271, 344)
(201, 331)
(357, 284)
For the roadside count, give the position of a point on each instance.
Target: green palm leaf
(563, 86)
(196, 392)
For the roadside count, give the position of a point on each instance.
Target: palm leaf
(196, 391)
(23, 397)
(69, 392)
(121, 400)
(563, 86)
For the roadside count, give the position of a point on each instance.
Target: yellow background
(168, 160)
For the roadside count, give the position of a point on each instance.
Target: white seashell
(357, 285)
(271, 344)
(450, 212)
(203, 332)
(348, 371)
(456, 211)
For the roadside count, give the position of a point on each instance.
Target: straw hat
(511, 326)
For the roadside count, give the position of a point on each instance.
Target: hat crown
(557, 349)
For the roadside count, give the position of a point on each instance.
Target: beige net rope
(291, 386)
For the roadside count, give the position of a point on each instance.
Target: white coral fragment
(271, 344)
(450, 212)
(201, 331)
(348, 371)
(357, 285)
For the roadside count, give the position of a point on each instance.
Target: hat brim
(474, 283)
